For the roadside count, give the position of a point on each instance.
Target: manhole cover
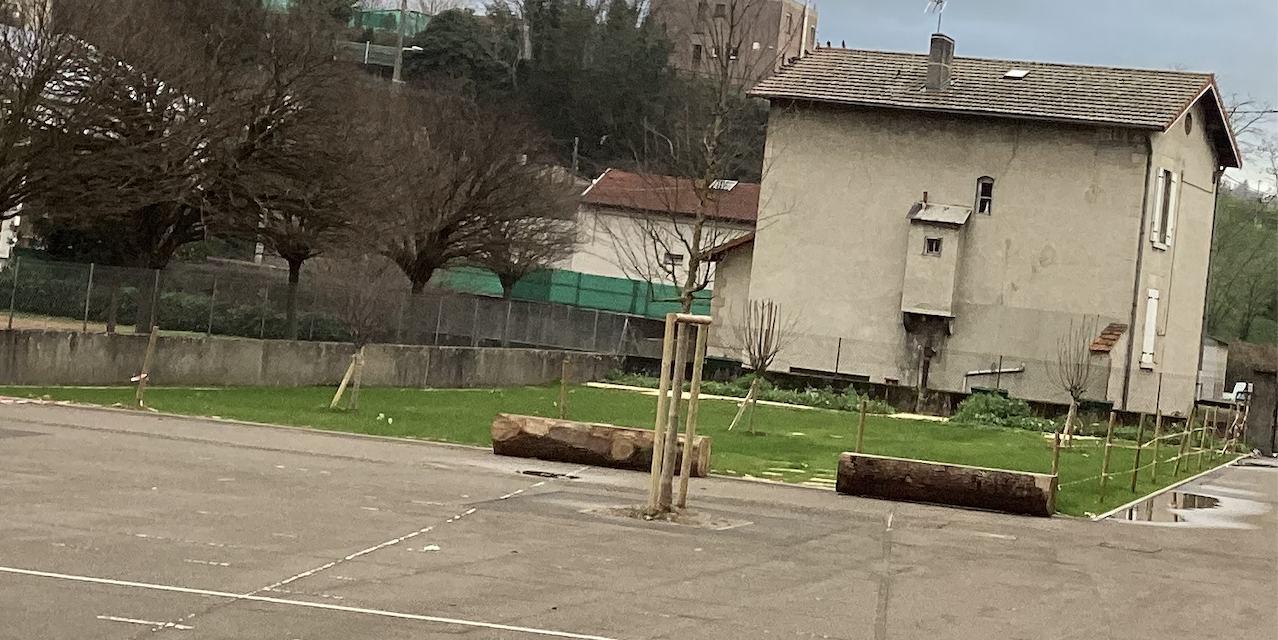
(549, 474)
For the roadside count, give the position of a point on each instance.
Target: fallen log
(1032, 494)
(599, 445)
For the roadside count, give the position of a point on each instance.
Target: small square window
(721, 10)
(733, 54)
(932, 247)
(674, 259)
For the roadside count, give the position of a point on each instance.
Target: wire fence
(330, 303)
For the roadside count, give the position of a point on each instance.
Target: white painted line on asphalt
(153, 625)
(734, 526)
(307, 574)
(206, 562)
(302, 603)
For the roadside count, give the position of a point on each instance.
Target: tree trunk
(599, 445)
(933, 482)
(290, 303)
(507, 286)
(148, 295)
(1069, 422)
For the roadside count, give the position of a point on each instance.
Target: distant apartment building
(752, 38)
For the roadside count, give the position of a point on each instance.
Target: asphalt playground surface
(117, 525)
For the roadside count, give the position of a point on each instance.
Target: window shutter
(1172, 201)
(1151, 328)
(1155, 233)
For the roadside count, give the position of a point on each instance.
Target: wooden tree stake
(1184, 441)
(694, 403)
(659, 428)
(346, 379)
(1109, 446)
(1140, 436)
(860, 427)
(1158, 432)
(140, 396)
(1056, 453)
(564, 374)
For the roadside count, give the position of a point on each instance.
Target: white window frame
(1149, 344)
(1164, 199)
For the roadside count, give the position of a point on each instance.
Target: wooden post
(666, 489)
(1184, 440)
(359, 378)
(694, 402)
(1140, 435)
(564, 373)
(346, 379)
(754, 388)
(1208, 423)
(1109, 446)
(1158, 432)
(659, 428)
(140, 396)
(860, 427)
(1056, 453)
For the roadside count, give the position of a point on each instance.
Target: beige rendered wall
(1179, 272)
(731, 297)
(1059, 245)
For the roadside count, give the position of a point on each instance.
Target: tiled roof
(1141, 98)
(716, 254)
(1104, 343)
(666, 195)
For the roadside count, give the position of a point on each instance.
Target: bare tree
(360, 289)
(540, 236)
(289, 177)
(761, 333)
(1074, 366)
(460, 171)
(717, 135)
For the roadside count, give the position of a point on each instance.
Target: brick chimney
(940, 60)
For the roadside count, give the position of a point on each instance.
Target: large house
(753, 37)
(948, 223)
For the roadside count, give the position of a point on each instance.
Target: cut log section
(599, 445)
(1032, 494)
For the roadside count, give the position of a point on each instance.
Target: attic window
(932, 247)
(723, 185)
(1016, 74)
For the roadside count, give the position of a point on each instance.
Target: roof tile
(664, 194)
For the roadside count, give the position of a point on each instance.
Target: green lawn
(798, 445)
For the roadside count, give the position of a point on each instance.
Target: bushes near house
(827, 398)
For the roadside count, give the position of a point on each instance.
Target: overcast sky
(1235, 39)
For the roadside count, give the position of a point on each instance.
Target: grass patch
(797, 445)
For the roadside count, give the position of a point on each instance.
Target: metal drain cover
(549, 474)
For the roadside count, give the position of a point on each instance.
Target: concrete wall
(731, 299)
(57, 358)
(1060, 244)
(930, 278)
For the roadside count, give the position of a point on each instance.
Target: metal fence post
(439, 319)
(594, 334)
(474, 326)
(266, 307)
(88, 295)
(505, 328)
(13, 295)
(838, 357)
(212, 306)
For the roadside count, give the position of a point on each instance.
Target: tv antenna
(937, 7)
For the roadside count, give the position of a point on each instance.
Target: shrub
(995, 410)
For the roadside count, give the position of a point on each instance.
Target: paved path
(114, 525)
